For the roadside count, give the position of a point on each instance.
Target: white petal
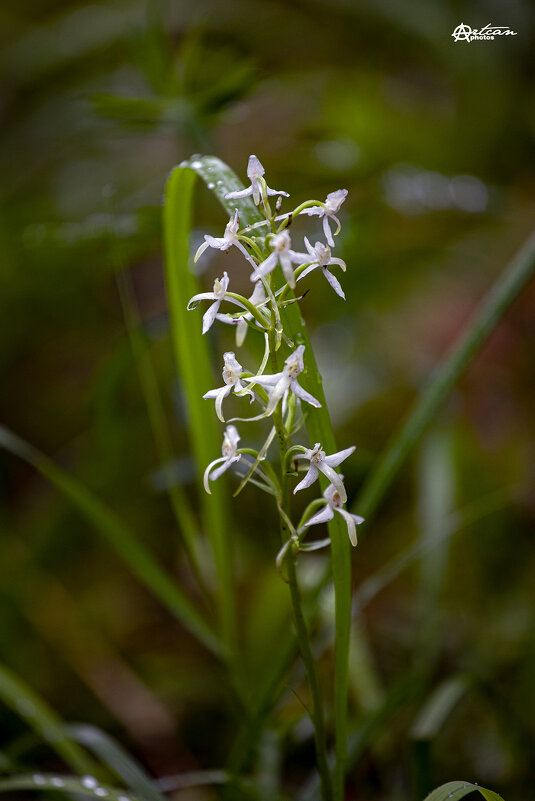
(255, 169)
(340, 262)
(298, 390)
(213, 393)
(351, 530)
(207, 471)
(286, 264)
(232, 436)
(334, 282)
(335, 480)
(215, 474)
(309, 479)
(220, 243)
(325, 514)
(310, 249)
(327, 231)
(222, 394)
(196, 299)
(209, 316)
(240, 194)
(272, 192)
(337, 458)
(266, 380)
(266, 267)
(200, 250)
(313, 210)
(241, 332)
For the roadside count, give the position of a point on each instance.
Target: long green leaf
(130, 550)
(221, 179)
(86, 786)
(151, 393)
(196, 376)
(117, 759)
(26, 703)
(457, 790)
(493, 306)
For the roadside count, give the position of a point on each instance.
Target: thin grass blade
(196, 376)
(129, 549)
(454, 791)
(492, 308)
(26, 703)
(86, 787)
(121, 764)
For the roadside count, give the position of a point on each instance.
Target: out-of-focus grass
(434, 140)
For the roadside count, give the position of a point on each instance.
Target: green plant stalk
(303, 638)
(508, 285)
(221, 179)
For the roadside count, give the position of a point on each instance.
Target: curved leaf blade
(137, 558)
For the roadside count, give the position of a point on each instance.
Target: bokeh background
(434, 139)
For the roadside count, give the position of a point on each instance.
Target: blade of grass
(26, 703)
(221, 179)
(492, 308)
(149, 386)
(122, 764)
(130, 550)
(458, 790)
(65, 784)
(194, 369)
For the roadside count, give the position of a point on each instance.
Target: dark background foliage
(434, 141)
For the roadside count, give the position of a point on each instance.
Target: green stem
(303, 638)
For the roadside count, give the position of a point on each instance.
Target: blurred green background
(434, 139)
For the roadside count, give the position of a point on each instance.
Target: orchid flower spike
(229, 238)
(218, 295)
(328, 211)
(279, 384)
(255, 173)
(231, 376)
(282, 253)
(334, 504)
(321, 259)
(230, 455)
(320, 463)
(258, 298)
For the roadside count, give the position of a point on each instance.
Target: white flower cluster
(280, 393)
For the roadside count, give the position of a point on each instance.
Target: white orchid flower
(255, 173)
(279, 384)
(282, 253)
(218, 295)
(231, 376)
(229, 238)
(320, 463)
(321, 258)
(258, 298)
(332, 205)
(334, 504)
(230, 455)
